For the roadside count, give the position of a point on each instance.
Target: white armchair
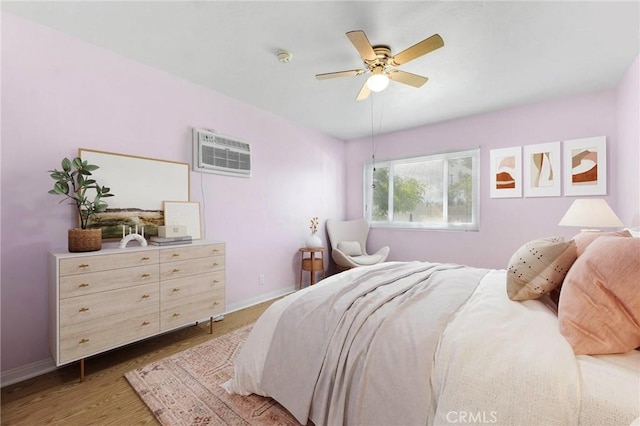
(349, 244)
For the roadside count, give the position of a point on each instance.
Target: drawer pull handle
(176, 314)
(215, 303)
(83, 265)
(145, 258)
(175, 270)
(176, 255)
(215, 263)
(215, 250)
(83, 285)
(144, 296)
(145, 275)
(145, 323)
(216, 281)
(176, 290)
(83, 341)
(83, 309)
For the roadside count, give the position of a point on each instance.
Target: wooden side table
(311, 263)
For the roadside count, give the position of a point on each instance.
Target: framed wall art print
(585, 166)
(506, 172)
(541, 170)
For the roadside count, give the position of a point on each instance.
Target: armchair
(349, 244)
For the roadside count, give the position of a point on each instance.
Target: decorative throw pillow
(599, 309)
(350, 248)
(585, 238)
(538, 267)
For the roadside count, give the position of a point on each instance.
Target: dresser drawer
(93, 323)
(185, 268)
(191, 299)
(84, 264)
(77, 342)
(190, 252)
(95, 282)
(97, 311)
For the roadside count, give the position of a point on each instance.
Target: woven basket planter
(81, 240)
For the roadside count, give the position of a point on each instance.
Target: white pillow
(350, 248)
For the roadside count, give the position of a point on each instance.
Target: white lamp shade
(377, 82)
(590, 213)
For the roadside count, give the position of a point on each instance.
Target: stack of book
(169, 241)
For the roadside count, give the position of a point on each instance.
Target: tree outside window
(436, 192)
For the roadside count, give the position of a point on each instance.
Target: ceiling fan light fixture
(378, 82)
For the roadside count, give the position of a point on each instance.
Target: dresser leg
(82, 370)
(211, 325)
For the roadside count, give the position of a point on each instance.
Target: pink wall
(628, 112)
(505, 224)
(60, 94)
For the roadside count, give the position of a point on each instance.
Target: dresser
(105, 299)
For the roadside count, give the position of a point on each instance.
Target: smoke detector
(284, 56)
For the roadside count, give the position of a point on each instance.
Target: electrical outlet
(261, 279)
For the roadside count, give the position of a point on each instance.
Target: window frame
(367, 204)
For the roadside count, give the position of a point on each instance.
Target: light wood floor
(105, 397)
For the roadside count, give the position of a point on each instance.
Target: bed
(421, 343)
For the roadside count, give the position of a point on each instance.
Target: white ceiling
(497, 54)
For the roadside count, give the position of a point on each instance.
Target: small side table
(311, 263)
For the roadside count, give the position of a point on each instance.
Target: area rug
(184, 389)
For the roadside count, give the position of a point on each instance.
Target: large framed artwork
(506, 172)
(140, 186)
(585, 166)
(541, 170)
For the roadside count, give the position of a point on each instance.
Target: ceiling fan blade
(363, 93)
(407, 78)
(339, 74)
(425, 46)
(362, 45)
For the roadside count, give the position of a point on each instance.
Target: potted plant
(74, 182)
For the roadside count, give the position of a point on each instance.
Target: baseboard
(37, 368)
(28, 371)
(247, 303)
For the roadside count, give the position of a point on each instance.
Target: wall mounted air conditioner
(217, 153)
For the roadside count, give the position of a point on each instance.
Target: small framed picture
(506, 172)
(184, 213)
(585, 166)
(541, 170)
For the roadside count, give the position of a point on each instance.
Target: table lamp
(589, 213)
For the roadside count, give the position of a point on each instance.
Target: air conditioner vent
(218, 153)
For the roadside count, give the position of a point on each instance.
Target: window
(431, 192)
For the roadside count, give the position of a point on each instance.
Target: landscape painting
(140, 186)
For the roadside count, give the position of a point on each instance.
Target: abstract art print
(506, 172)
(585, 166)
(541, 170)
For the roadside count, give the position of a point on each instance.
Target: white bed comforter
(495, 362)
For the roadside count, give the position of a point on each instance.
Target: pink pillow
(599, 308)
(585, 238)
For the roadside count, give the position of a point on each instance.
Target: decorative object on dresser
(170, 241)
(101, 301)
(75, 183)
(127, 238)
(313, 241)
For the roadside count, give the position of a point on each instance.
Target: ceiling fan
(382, 65)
